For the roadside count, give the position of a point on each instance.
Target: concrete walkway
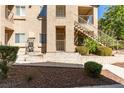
(106, 86)
(103, 59)
(119, 71)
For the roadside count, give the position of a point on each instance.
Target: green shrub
(82, 50)
(93, 69)
(92, 45)
(7, 54)
(104, 51)
(4, 69)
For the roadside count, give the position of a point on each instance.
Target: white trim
(21, 13)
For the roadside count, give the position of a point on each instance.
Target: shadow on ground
(51, 77)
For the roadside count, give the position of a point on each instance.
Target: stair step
(90, 27)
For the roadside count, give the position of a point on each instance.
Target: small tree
(113, 20)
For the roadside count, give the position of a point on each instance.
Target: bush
(104, 51)
(4, 68)
(92, 45)
(82, 50)
(93, 69)
(7, 54)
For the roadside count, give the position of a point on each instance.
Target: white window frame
(19, 38)
(21, 13)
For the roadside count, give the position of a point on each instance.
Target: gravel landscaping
(49, 77)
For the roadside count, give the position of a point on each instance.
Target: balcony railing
(87, 18)
(9, 16)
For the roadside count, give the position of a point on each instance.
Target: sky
(101, 10)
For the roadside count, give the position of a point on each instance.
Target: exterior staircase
(99, 36)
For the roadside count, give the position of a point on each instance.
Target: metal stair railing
(101, 38)
(83, 30)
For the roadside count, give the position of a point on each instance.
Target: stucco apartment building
(46, 28)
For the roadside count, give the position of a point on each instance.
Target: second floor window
(60, 11)
(20, 10)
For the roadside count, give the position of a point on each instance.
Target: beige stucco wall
(68, 22)
(5, 24)
(95, 18)
(30, 23)
(2, 24)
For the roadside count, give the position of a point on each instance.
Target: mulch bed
(52, 77)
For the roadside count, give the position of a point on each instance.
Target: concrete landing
(62, 57)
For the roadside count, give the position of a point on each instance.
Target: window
(42, 38)
(20, 10)
(60, 11)
(20, 38)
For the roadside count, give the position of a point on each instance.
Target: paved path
(106, 86)
(119, 71)
(103, 59)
